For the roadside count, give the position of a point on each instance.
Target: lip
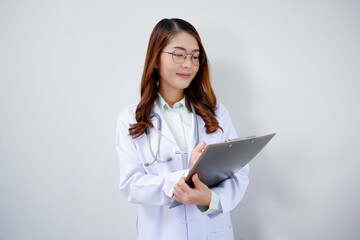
(184, 75)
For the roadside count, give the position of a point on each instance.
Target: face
(174, 76)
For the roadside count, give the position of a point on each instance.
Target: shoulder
(225, 122)
(220, 110)
(128, 114)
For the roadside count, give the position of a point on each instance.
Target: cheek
(196, 71)
(169, 70)
(166, 69)
(165, 72)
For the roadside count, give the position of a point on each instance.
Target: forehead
(183, 40)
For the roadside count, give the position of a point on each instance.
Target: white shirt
(179, 120)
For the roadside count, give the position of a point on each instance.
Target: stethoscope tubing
(159, 127)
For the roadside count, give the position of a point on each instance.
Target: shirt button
(184, 220)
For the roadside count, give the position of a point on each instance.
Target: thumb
(200, 146)
(196, 180)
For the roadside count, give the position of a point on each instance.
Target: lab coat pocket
(222, 235)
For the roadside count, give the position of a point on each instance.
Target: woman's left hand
(199, 195)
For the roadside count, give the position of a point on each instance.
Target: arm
(135, 183)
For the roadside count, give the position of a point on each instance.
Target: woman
(175, 85)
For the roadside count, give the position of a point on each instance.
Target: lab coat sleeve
(232, 190)
(136, 185)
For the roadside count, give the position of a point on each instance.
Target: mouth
(184, 75)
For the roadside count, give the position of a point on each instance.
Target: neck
(171, 97)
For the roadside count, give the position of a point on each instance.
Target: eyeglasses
(179, 56)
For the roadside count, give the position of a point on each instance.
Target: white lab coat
(151, 187)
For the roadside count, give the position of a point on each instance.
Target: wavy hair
(199, 92)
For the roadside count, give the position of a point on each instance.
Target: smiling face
(174, 77)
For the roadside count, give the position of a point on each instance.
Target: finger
(179, 199)
(177, 191)
(181, 185)
(200, 147)
(176, 196)
(197, 181)
(179, 195)
(181, 182)
(177, 188)
(184, 187)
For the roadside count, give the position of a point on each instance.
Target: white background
(68, 68)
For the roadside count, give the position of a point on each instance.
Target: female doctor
(177, 114)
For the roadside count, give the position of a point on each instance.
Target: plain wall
(67, 69)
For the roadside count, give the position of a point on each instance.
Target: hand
(199, 195)
(196, 152)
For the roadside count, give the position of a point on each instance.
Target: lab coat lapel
(165, 130)
(202, 129)
(201, 124)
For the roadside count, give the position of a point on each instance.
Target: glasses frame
(191, 58)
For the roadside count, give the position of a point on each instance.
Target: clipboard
(220, 161)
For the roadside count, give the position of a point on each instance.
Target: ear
(157, 64)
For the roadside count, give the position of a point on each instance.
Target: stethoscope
(159, 127)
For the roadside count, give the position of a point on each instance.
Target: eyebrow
(185, 49)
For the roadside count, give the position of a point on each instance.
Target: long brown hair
(199, 92)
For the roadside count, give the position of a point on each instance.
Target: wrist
(207, 199)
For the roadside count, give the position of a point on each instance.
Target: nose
(187, 62)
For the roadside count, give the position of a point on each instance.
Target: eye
(178, 54)
(195, 55)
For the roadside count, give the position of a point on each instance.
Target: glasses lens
(198, 58)
(179, 56)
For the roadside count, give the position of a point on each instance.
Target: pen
(182, 152)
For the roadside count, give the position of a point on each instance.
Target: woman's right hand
(196, 152)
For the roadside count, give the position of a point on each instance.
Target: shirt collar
(164, 106)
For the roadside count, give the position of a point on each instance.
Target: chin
(187, 83)
(184, 86)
